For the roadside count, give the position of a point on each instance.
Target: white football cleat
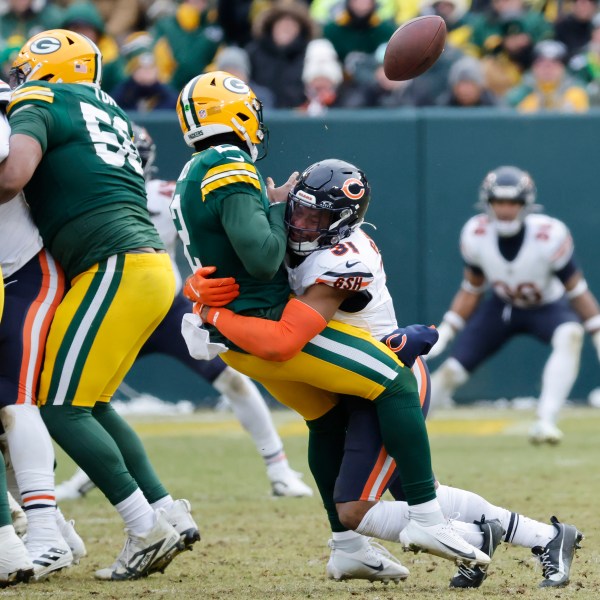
(179, 515)
(19, 518)
(73, 539)
(15, 564)
(48, 556)
(441, 540)
(76, 487)
(544, 432)
(371, 561)
(287, 482)
(140, 554)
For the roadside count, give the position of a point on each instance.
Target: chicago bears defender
(239, 228)
(537, 288)
(246, 401)
(71, 151)
(316, 212)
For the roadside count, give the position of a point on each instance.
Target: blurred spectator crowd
(530, 55)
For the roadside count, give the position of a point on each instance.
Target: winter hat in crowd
(551, 50)
(321, 60)
(466, 68)
(233, 59)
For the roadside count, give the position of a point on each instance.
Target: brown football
(414, 47)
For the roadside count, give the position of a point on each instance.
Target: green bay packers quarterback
(71, 151)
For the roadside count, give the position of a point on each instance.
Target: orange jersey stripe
(380, 475)
(40, 497)
(36, 326)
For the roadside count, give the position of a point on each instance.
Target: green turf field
(257, 547)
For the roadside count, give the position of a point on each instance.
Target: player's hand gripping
(410, 342)
(203, 289)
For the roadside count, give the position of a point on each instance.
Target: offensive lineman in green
(71, 151)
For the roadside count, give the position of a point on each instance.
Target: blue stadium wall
(425, 167)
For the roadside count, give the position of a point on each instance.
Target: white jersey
(20, 239)
(160, 194)
(354, 264)
(529, 279)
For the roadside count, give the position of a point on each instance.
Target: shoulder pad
(228, 165)
(31, 93)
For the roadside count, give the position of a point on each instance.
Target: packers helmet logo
(353, 188)
(45, 45)
(235, 85)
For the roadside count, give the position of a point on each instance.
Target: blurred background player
(244, 397)
(537, 288)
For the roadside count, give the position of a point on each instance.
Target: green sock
(326, 439)
(85, 440)
(133, 451)
(5, 516)
(405, 437)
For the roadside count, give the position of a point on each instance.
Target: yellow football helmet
(218, 102)
(58, 56)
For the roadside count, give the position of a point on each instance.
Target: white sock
(251, 411)
(385, 520)
(469, 507)
(350, 541)
(523, 531)
(32, 460)
(166, 502)
(427, 513)
(560, 370)
(469, 532)
(31, 454)
(137, 513)
(42, 526)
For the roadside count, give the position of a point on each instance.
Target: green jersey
(223, 216)
(87, 195)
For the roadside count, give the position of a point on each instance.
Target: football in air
(414, 47)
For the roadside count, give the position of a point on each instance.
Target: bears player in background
(367, 470)
(537, 288)
(246, 401)
(71, 150)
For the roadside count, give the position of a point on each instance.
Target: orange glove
(214, 292)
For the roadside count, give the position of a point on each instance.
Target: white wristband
(467, 286)
(580, 287)
(592, 324)
(454, 320)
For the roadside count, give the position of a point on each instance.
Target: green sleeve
(258, 237)
(34, 122)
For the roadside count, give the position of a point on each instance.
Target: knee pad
(231, 380)
(568, 337)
